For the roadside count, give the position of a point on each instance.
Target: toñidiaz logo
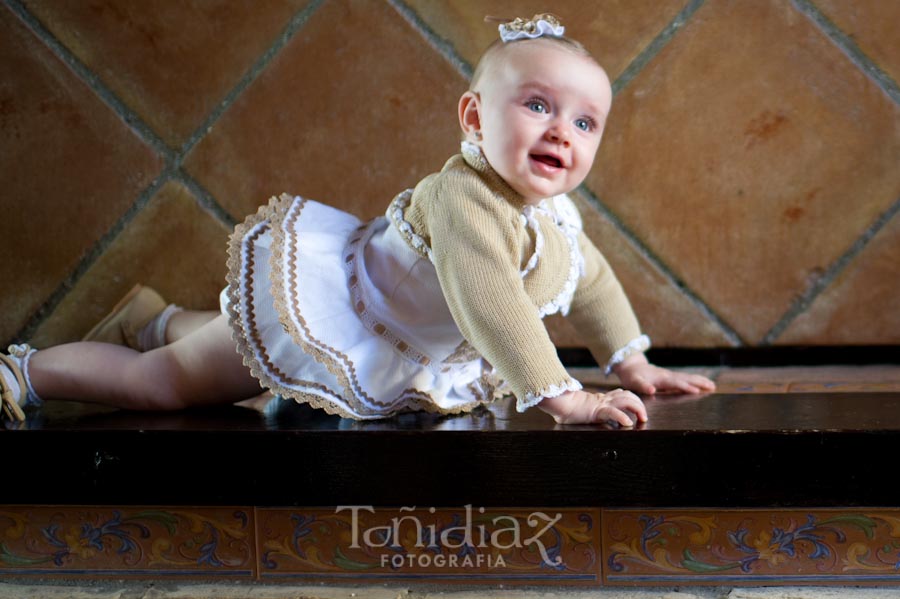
(364, 541)
(506, 534)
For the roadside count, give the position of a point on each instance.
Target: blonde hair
(497, 47)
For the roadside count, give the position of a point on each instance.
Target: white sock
(153, 335)
(10, 379)
(21, 354)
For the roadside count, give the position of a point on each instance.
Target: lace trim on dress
(570, 228)
(240, 265)
(463, 354)
(241, 257)
(395, 214)
(528, 220)
(473, 155)
(532, 399)
(636, 345)
(361, 304)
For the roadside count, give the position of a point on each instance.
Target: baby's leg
(201, 368)
(183, 323)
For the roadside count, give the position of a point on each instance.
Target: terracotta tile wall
(746, 192)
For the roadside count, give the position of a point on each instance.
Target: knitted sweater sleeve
(601, 311)
(475, 240)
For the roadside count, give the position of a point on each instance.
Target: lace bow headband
(540, 25)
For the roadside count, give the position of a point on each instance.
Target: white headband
(538, 26)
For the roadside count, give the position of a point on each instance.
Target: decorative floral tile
(751, 546)
(133, 541)
(528, 546)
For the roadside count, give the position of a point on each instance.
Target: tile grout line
(631, 71)
(90, 257)
(133, 122)
(204, 198)
(447, 50)
(638, 245)
(172, 159)
(443, 46)
(849, 47)
(655, 47)
(806, 299)
(294, 25)
(92, 81)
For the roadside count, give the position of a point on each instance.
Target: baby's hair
(498, 45)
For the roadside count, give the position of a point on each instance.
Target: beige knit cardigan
(477, 235)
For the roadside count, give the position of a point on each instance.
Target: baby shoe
(132, 313)
(13, 388)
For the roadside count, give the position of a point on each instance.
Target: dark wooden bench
(726, 488)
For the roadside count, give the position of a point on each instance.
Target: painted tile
(172, 63)
(356, 108)
(860, 305)
(770, 547)
(71, 168)
(355, 543)
(152, 250)
(871, 24)
(71, 541)
(737, 146)
(614, 32)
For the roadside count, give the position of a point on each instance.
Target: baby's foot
(15, 389)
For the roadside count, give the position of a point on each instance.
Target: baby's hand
(642, 377)
(581, 407)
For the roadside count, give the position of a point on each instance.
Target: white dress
(350, 317)
(345, 316)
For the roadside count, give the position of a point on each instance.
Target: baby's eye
(585, 124)
(537, 106)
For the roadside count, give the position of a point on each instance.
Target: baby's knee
(158, 382)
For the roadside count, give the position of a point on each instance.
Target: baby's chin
(536, 195)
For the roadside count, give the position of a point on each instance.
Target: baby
(436, 306)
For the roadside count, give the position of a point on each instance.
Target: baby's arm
(639, 375)
(583, 407)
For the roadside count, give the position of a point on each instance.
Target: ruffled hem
(532, 399)
(294, 321)
(636, 345)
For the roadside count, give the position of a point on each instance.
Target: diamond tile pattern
(170, 62)
(860, 306)
(872, 24)
(745, 157)
(151, 251)
(70, 170)
(615, 31)
(747, 163)
(351, 112)
(667, 316)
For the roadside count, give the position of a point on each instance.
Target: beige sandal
(9, 402)
(131, 314)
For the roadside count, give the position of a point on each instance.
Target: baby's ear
(470, 114)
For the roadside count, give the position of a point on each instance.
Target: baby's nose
(559, 134)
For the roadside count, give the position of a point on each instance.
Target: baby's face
(542, 111)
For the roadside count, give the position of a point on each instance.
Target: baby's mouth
(547, 159)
